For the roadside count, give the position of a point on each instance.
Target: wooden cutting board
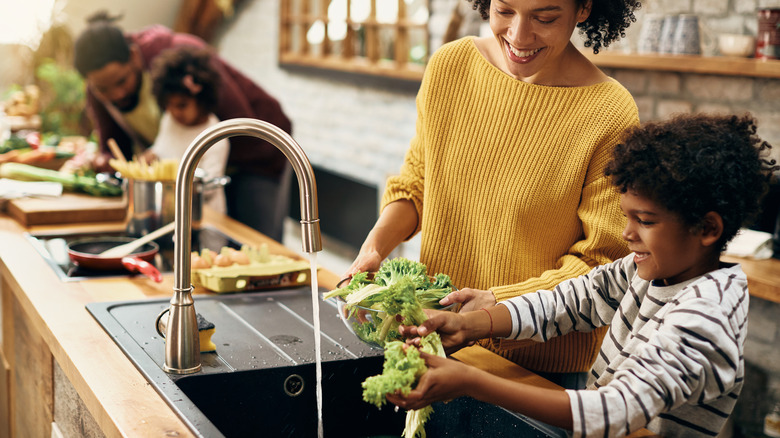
(68, 208)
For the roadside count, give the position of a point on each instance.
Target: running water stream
(315, 304)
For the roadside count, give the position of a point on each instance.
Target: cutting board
(68, 208)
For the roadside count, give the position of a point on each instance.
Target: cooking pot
(86, 253)
(151, 204)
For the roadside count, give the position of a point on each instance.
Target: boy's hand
(470, 299)
(437, 384)
(449, 325)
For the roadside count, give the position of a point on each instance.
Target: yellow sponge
(206, 330)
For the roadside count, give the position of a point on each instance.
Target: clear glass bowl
(362, 321)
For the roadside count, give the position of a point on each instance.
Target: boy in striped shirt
(672, 360)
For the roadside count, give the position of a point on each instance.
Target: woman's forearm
(396, 224)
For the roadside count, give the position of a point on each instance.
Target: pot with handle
(151, 204)
(86, 254)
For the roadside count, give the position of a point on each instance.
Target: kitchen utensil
(151, 204)
(127, 248)
(686, 36)
(115, 151)
(86, 254)
(134, 264)
(650, 34)
(667, 34)
(731, 44)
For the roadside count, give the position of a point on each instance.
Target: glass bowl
(364, 321)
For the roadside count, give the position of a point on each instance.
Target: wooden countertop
(119, 398)
(117, 395)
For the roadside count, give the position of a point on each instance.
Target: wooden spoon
(128, 248)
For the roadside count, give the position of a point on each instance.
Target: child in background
(185, 86)
(672, 359)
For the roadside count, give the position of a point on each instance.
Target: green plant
(63, 98)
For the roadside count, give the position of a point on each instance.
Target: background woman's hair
(170, 68)
(101, 43)
(607, 22)
(692, 164)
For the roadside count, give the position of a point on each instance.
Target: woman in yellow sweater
(504, 178)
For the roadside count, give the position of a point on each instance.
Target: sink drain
(293, 385)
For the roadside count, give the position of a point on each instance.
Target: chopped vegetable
(401, 371)
(76, 183)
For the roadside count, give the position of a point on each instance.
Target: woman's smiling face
(534, 35)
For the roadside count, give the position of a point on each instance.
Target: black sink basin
(261, 380)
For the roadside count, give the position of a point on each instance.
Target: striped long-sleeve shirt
(672, 360)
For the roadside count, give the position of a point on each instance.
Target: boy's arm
(578, 304)
(437, 384)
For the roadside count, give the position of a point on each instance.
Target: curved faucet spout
(182, 349)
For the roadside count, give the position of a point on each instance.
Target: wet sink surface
(261, 380)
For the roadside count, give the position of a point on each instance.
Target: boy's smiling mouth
(639, 257)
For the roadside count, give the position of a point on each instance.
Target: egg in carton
(247, 269)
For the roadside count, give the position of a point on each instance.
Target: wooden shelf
(763, 276)
(717, 65)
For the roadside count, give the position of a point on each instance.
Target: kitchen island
(47, 330)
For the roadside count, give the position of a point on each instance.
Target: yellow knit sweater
(507, 178)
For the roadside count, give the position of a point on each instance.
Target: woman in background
(185, 85)
(504, 178)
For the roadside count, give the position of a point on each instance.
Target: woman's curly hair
(607, 22)
(185, 70)
(694, 164)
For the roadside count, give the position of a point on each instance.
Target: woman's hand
(449, 325)
(437, 384)
(368, 261)
(470, 299)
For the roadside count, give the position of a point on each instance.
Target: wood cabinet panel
(5, 397)
(31, 378)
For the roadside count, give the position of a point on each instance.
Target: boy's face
(666, 249)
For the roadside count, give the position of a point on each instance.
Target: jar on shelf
(768, 37)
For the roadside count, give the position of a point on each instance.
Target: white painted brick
(667, 108)
(745, 6)
(719, 88)
(713, 108)
(663, 83)
(769, 3)
(673, 6)
(711, 7)
(646, 107)
(635, 81)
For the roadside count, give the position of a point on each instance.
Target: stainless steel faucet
(182, 345)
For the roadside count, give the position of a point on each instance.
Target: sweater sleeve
(410, 183)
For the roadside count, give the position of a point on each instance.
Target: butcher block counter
(45, 320)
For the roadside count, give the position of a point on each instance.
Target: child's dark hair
(101, 43)
(606, 23)
(696, 163)
(186, 70)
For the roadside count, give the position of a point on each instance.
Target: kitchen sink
(261, 379)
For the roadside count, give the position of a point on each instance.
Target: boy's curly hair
(172, 66)
(606, 23)
(696, 163)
